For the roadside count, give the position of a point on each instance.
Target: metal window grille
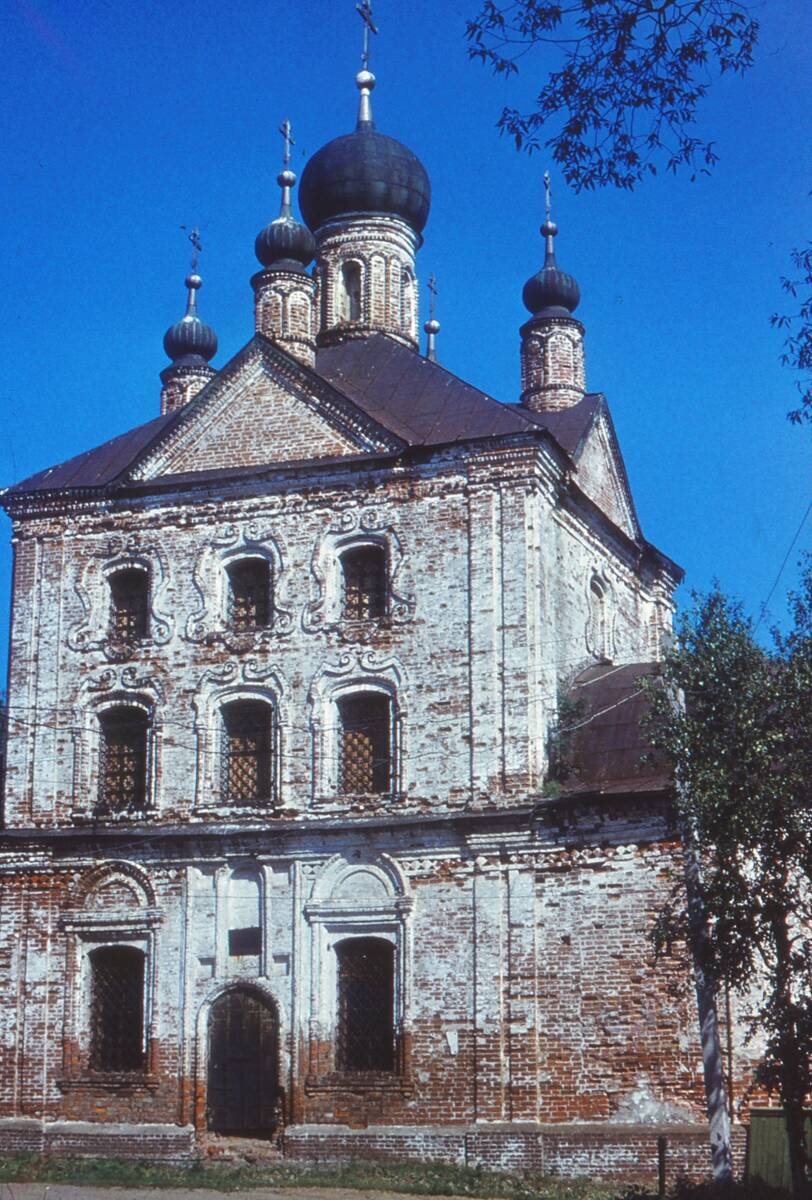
(364, 583)
(250, 601)
(117, 1009)
(246, 759)
(129, 606)
(123, 760)
(365, 745)
(366, 1039)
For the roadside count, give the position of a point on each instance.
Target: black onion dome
(190, 340)
(551, 292)
(368, 172)
(285, 243)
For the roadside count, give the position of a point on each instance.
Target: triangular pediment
(262, 408)
(602, 475)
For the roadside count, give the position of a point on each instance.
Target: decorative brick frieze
(552, 362)
(285, 311)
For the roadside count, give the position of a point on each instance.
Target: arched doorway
(243, 1095)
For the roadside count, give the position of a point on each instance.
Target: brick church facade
(291, 846)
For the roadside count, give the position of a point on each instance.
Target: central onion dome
(365, 172)
(551, 292)
(285, 244)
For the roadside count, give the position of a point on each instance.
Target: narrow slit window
(250, 594)
(246, 759)
(123, 760)
(117, 1009)
(363, 580)
(365, 744)
(366, 973)
(351, 292)
(129, 606)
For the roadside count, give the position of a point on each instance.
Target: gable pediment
(262, 408)
(602, 475)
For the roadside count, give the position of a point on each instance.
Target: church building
(327, 817)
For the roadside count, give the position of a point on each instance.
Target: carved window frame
(235, 683)
(356, 673)
(131, 646)
(235, 559)
(350, 531)
(88, 929)
(209, 623)
(334, 920)
(92, 586)
(115, 689)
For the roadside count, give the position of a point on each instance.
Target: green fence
(768, 1156)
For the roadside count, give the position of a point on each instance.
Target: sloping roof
(609, 749)
(418, 401)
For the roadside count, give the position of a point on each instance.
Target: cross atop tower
(365, 10)
(432, 286)
(548, 203)
(193, 236)
(284, 129)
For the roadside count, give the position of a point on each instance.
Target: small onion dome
(551, 292)
(285, 243)
(190, 340)
(365, 172)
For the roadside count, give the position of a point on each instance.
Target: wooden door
(243, 1072)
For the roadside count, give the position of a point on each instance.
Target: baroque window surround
(357, 670)
(209, 623)
(115, 906)
(349, 530)
(359, 900)
(120, 687)
(246, 680)
(92, 631)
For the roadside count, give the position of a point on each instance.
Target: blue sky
(124, 122)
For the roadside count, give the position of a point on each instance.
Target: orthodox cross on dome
(432, 326)
(365, 10)
(548, 203)
(193, 235)
(284, 129)
(432, 286)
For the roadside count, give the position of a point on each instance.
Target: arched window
(250, 594)
(246, 758)
(117, 1009)
(129, 605)
(365, 751)
(599, 619)
(366, 978)
(123, 759)
(351, 292)
(363, 583)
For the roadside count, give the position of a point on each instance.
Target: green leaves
(623, 79)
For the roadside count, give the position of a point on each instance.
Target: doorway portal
(243, 1073)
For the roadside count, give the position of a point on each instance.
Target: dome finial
(286, 177)
(365, 80)
(432, 326)
(550, 292)
(190, 340)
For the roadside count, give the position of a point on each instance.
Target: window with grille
(250, 594)
(246, 762)
(123, 760)
(365, 743)
(129, 606)
(117, 1009)
(366, 1035)
(363, 579)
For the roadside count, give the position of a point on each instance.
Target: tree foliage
(623, 79)
(735, 721)
(798, 326)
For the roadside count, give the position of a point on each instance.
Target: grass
(417, 1179)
